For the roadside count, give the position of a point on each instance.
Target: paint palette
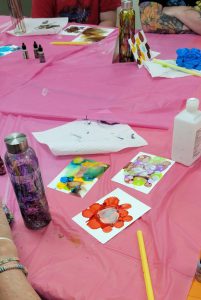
(140, 48)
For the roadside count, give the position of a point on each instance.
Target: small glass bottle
(41, 54)
(35, 47)
(23, 168)
(198, 272)
(126, 30)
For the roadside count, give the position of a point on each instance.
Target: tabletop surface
(63, 260)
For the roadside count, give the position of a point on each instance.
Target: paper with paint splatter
(41, 26)
(141, 49)
(110, 215)
(73, 30)
(79, 176)
(8, 49)
(143, 172)
(93, 34)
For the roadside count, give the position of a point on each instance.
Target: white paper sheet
(157, 70)
(42, 26)
(89, 137)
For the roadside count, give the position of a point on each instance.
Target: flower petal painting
(107, 215)
(110, 215)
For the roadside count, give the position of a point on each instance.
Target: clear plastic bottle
(126, 30)
(23, 168)
(186, 146)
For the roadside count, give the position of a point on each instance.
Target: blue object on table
(8, 49)
(189, 58)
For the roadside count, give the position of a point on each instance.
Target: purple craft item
(23, 168)
(2, 167)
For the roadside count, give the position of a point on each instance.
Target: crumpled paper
(89, 137)
(157, 70)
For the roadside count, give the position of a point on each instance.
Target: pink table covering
(87, 83)
(65, 262)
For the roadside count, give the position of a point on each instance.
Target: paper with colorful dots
(143, 172)
(141, 49)
(110, 215)
(79, 176)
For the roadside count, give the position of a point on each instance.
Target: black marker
(25, 52)
(41, 54)
(35, 46)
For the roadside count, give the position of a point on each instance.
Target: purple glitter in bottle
(2, 167)
(23, 168)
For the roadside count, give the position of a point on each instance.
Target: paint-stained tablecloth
(65, 262)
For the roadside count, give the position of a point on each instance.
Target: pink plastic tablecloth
(87, 83)
(65, 262)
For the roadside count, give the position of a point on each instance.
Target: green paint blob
(138, 181)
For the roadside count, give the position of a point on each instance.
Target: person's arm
(187, 15)
(108, 12)
(43, 9)
(13, 283)
(153, 19)
(108, 18)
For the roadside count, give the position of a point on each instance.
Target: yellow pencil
(145, 266)
(166, 64)
(70, 43)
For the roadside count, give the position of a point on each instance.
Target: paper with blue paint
(8, 49)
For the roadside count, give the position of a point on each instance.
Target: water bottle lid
(16, 142)
(192, 104)
(126, 4)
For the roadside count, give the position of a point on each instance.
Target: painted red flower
(107, 215)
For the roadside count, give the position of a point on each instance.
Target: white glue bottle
(186, 146)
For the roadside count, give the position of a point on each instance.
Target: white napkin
(42, 26)
(157, 70)
(89, 137)
(5, 26)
